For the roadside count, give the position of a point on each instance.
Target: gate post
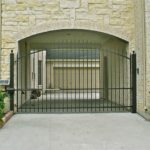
(133, 80)
(11, 85)
(105, 74)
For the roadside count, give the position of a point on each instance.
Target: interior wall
(71, 74)
(116, 52)
(22, 73)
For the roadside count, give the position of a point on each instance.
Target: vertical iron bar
(59, 69)
(115, 57)
(17, 80)
(87, 80)
(79, 77)
(63, 76)
(33, 75)
(46, 61)
(106, 79)
(67, 70)
(91, 76)
(107, 76)
(123, 62)
(119, 80)
(134, 101)
(25, 73)
(71, 70)
(99, 79)
(11, 86)
(127, 85)
(130, 81)
(37, 88)
(83, 57)
(111, 66)
(95, 79)
(21, 69)
(83, 75)
(30, 78)
(103, 82)
(41, 76)
(54, 76)
(50, 101)
(75, 76)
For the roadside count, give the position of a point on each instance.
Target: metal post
(133, 80)
(106, 78)
(11, 86)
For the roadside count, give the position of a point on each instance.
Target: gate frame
(11, 90)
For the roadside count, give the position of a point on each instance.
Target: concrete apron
(103, 131)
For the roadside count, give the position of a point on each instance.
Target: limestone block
(70, 3)
(72, 14)
(97, 6)
(7, 34)
(5, 52)
(116, 14)
(115, 21)
(23, 24)
(65, 14)
(85, 16)
(35, 5)
(103, 11)
(8, 45)
(97, 1)
(147, 5)
(100, 22)
(10, 1)
(20, 1)
(22, 18)
(7, 38)
(81, 10)
(32, 19)
(10, 28)
(8, 14)
(9, 23)
(51, 7)
(119, 2)
(119, 7)
(42, 16)
(106, 19)
(14, 7)
(84, 4)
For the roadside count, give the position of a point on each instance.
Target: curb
(7, 116)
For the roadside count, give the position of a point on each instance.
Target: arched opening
(73, 71)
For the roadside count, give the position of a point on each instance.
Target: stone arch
(60, 25)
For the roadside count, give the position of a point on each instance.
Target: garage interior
(73, 71)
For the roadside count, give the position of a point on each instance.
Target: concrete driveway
(112, 131)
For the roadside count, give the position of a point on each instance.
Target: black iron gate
(73, 78)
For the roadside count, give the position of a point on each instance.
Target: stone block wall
(24, 18)
(19, 15)
(147, 58)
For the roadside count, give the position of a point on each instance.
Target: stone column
(147, 32)
(0, 33)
